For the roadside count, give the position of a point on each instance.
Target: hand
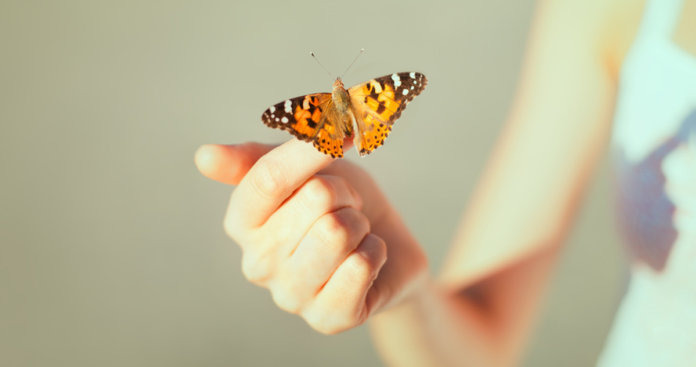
(317, 232)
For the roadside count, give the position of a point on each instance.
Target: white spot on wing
(272, 109)
(396, 79)
(288, 106)
(377, 86)
(412, 75)
(404, 92)
(284, 119)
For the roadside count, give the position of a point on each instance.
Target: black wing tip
(268, 121)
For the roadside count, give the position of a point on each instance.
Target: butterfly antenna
(322, 66)
(362, 50)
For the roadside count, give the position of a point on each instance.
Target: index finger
(272, 179)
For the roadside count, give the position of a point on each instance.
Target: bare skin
(313, 230)
(320, 235)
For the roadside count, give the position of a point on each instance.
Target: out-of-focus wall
(111, 246)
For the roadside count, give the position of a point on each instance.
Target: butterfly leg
(359, 128)
(320, 125)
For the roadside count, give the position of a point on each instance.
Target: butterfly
(366, 111)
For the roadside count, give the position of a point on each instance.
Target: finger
(343, 302)
(228, 163)
(271, 180)
(319, 195)
(326, 246)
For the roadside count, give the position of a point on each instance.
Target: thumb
(228, 163)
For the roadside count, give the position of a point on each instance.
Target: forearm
(485, 324)
(431, 329)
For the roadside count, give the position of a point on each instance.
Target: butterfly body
(339, 111)
(366, 111)
(340, 97)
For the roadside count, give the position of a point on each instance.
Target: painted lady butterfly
(327, 118)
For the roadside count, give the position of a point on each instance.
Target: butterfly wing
(378, 102)
(309, 118)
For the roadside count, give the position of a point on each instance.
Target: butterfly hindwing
(328, 143)
(378, 102)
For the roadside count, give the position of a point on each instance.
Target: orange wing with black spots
(309, 119)
(300, 116)
(377, 103)
(326, 119)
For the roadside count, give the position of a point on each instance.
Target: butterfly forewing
(377, 103)
(299, 116)
(309, 118)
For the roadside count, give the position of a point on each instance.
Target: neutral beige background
(112, 251)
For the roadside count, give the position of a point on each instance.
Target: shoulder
(622, 19)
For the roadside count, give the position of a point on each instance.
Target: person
(320, 235)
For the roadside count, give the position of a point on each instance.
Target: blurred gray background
(111, 246)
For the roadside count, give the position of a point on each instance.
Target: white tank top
(654, 153)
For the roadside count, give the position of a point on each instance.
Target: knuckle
(345, 225)
(332, 227)
(380, 243)
(321, 192)
(268, 177)
(379, 247)
(329, 323)
(232, 223)
(361, 267)
(231, 226)
(326, 330)
(365, 263)
(256, 269)
(286, 299)
(319, 323)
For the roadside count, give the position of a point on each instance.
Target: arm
(481, 307)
